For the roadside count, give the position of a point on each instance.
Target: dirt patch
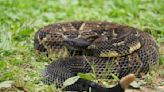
(156, 86)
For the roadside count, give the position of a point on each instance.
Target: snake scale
(102, 48)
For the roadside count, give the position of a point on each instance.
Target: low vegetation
(21, 67)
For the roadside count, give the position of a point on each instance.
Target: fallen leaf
(6, 84)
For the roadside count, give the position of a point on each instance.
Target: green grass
(20, 19)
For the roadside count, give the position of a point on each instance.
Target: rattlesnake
(102, 48)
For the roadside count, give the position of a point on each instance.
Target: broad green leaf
(88, 76)
(71, 81)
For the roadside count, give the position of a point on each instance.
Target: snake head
(75, 44)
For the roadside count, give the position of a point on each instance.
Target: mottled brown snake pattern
(111, 48)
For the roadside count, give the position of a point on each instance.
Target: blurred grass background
(20, 19)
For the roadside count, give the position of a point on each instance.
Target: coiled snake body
(104, 48)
